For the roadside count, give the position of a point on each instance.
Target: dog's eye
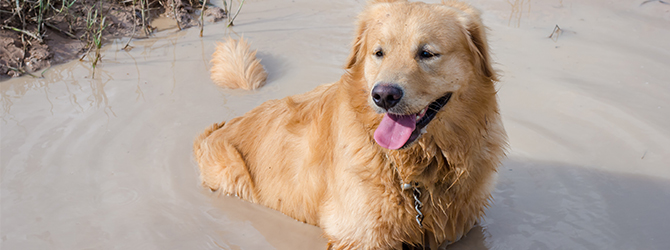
(426, 54)
(379, 53)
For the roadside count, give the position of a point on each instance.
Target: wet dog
(402, 151)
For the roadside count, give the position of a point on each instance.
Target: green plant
(95, 25)
(229, 9)
(97, 41)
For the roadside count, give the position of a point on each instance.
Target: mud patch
(34, 37)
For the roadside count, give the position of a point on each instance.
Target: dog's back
(276, 155)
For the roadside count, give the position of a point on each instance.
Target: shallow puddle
(106, 163)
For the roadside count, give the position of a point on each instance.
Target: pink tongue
(394, 130)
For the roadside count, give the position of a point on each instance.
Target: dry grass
(91, 21)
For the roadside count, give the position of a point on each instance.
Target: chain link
(416, 193)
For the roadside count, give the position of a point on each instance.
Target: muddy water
(105, 163)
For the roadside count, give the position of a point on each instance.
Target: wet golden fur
(313, 157)
(234, 65)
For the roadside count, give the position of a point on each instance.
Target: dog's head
(416, 59)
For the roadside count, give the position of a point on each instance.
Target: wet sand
(106, 163)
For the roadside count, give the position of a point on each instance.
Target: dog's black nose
(386, 96)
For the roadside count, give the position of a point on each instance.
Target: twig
(18, 7)
(61, 31)
(24, 32)
(238, 12)
(174, 10)
(557, 31)
(134, 25)
(24, 43)
(85, 54)
(42, 74)
(22, 71)
(144, 25)
(40, 17)
(225, 7)
(202, 13)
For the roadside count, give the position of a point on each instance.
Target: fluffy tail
(235, 66)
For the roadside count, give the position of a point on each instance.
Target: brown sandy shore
(33, 38)
(105, 163)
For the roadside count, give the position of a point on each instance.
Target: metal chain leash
(416, 193)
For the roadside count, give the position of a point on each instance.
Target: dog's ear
(470, 19)
(356, 55)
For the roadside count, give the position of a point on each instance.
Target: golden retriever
(401, 152)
